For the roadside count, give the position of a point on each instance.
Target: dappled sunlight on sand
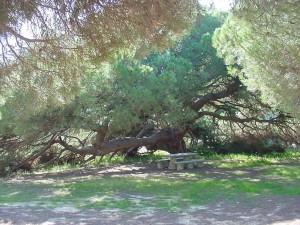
(28, 179)
(61, 192)
(98, 198)
(137, 192)
(288, 222)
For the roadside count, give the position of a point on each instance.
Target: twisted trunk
(167, 139)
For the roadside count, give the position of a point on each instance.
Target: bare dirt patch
(273, 210)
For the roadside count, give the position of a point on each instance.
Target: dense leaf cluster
(263, 38)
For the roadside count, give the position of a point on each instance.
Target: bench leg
(180, 166)
(190, 166)
(172, 165)
(160, 165)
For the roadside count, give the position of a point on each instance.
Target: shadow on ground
(259, 210)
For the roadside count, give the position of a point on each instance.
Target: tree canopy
(153, 102)
(47, 45)
(261, 40)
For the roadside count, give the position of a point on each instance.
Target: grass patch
(131, 193)
(291, 173)
(219, 160)
(58, 168)
(171, 192)
(106, 160)
(14, 193)
(246, 160)
(251, 162)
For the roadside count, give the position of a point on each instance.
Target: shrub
(4, 165)
(248, 145)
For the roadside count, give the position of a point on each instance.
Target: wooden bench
(162, 163)
(190, 164)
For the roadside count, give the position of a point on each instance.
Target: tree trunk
(168, 139)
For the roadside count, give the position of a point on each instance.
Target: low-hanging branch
(116, 144)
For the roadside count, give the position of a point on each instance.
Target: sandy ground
(272, 210)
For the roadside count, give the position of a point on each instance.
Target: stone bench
(190, 164)
(162, 163)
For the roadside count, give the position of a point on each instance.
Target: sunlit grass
(242, 163)
(106, 160)
(13, 193)
(220, 160)
(245, 160)
(168, 193)
(58, 168)
(289, 154)
(130, 193)
(243, 175)
(287, 172)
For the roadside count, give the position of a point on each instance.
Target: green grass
(56, 168)
(237, 176)
(286, 172)
(246, 160)
(221, 160)
(121, 159)
(160, 192)
(14, 193)
(116, 160)
(242, 163)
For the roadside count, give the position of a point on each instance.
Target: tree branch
(236, 119)
(40, 152)
(116, 144)
(8, 29)
(230, 90)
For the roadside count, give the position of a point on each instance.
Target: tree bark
(169, 140)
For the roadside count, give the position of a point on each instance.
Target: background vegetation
(100, 78)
